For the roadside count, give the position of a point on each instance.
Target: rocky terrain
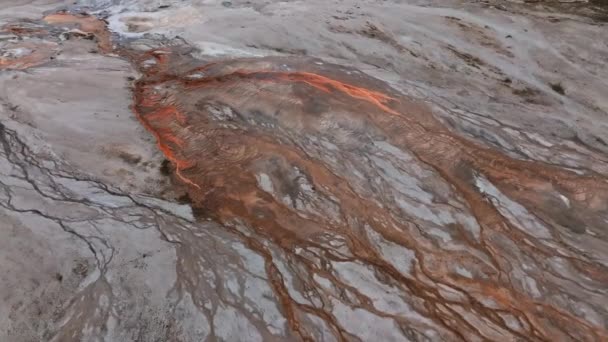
(311, 170)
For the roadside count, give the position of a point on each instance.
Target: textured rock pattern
(428, 179)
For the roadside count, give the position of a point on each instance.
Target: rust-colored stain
(19, 29)
(23, 55)
(86, 23)
(224, 123)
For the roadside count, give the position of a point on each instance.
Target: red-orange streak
(150, 99)
(180, 164)
(324, 84)
(167, 113)
(168, 136)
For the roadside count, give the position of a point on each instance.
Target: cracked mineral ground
(313, 170)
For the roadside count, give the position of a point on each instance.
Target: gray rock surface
(266, 170)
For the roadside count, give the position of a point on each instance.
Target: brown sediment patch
(485, 36)
(374, 32)
(23, 29)
(594, 9)
(86, 23)
(23, 55)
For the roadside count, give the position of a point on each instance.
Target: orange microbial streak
(326, 84)
(319, 82)
(169, 112)
(180, 164)
(164, 136)
(163, 115)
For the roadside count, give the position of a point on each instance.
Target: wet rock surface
(423, 171)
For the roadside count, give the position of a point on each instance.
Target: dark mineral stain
(165, 167)
(558, 88)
